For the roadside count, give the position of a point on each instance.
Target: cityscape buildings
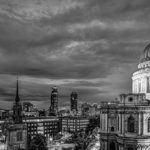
(27, 122)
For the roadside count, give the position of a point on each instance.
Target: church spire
(17, 99)
(17, 108)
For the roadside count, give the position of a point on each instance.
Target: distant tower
(17, 132)
(17, 108)
(54, 101)
(74, 101)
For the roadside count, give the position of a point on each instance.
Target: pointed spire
(17, 99)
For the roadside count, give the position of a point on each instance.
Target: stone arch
(112, 128)
(130, 148)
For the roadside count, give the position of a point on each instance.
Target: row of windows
(70, 120)
(45, 131)
(131, 125)
(37, 124)
(75, 122)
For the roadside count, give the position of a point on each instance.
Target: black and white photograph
(74, 74)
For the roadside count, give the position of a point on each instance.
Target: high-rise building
(74, 101)
(17, 131)
(54, 101)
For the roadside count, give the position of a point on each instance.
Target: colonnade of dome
(141, 78)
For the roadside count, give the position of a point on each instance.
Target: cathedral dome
(146, 53)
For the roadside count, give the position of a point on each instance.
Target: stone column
(139, 123)
(106, 122)
(123, 123)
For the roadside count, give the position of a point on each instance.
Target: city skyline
(90, 47)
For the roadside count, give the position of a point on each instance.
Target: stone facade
(17, 137)
(125, 124)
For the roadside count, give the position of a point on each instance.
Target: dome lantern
(146, 53)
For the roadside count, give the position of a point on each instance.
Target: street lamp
(50, 142)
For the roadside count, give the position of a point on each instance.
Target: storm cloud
(91, 47)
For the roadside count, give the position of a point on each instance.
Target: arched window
(131, 124)
(112, 146)
(19, 136)
(149, 124)
(130, 148)
(112, 128)
(148, 84)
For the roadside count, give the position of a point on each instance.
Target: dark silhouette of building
(54, 102)
(74, 101)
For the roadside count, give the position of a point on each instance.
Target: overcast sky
(88, 46)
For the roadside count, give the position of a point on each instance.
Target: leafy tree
(38, 143)
(80, 139)
(93, 123)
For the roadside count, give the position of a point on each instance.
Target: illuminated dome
(141, 78)
(146, 53)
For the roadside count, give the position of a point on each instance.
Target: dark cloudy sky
(88, 46)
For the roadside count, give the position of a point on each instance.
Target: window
(112, 146)
(131, 124)
(19, 136)
(148, 85)
(130, 148)
(130, 99)
(112, 129)
(148, 124)
(139, 85)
